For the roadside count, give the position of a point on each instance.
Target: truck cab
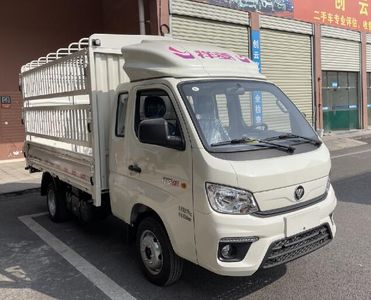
(188, 144)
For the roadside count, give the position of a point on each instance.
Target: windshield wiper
(291, 135)
(261, 143)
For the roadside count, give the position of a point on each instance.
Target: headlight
(228, 200)
(328, 185)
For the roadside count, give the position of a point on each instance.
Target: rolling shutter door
(211, 24)
(368, 55)
(226, 35)
(340, 55)
(287, 61)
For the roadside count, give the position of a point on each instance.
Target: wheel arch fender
(140, 211)
(45, 180)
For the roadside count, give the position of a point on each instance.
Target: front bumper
(211, 228)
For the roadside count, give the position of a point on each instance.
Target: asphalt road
(31, 269)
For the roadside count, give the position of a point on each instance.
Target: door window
(121, 115)
(153, 104)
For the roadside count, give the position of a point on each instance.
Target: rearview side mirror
(156, 132)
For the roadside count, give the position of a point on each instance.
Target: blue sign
(255, 48)
(334, 85)
(257, 103)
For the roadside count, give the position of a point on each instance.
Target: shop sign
(282, 7)
(257, 112)
(255, 48)
(349, 14)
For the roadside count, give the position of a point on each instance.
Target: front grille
(293, 247)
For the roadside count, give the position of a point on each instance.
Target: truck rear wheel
(158, 260)
(56, 203)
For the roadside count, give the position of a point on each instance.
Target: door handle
(135, 168)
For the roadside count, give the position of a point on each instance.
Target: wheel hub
(151, 252)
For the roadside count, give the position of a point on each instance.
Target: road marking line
(350, 154)
(98, 278)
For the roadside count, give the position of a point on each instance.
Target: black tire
(172, 265)
(56, 203)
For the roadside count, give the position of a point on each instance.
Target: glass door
(340, 92)
(369, 97)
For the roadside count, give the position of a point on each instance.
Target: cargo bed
(68, 99)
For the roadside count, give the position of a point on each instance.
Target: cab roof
(179, 59)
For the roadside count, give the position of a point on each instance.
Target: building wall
(31, 29)
(317, 47)
(120, 16)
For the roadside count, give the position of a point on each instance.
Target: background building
(318, 51)
(31, 29)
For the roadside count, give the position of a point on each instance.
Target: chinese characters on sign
(349, 14)
(255, 48)
(340, 4)
(257, 112)
(257, 115)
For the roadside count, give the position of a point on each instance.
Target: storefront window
(340, 92)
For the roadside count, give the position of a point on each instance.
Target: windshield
(226, 111)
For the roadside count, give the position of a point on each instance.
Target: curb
(20, 192)
(15, 160)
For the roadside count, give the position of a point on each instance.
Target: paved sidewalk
(14, 178)
(345, 139)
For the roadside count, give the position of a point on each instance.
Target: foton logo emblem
(299, 193)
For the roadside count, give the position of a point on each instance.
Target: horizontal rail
(63, 123)
(74, 168)
(57, 95)
(65, 75)
(73, 47)
(58, 107)
(64, 140)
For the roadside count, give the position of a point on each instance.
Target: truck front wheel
(56, 203)
(156, 255)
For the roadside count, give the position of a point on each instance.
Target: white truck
(188, 144)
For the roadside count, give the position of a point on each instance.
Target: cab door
(157, 176)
